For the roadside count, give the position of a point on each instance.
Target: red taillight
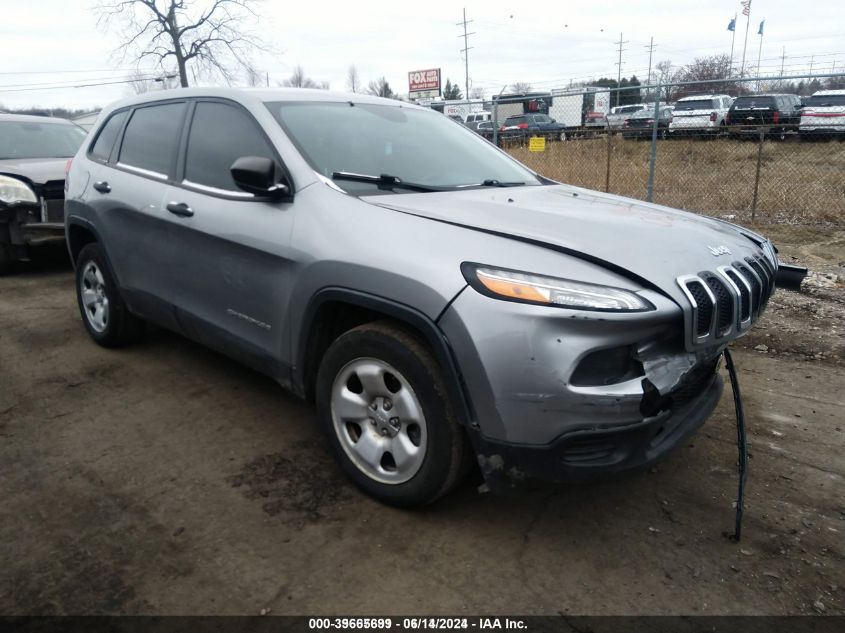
(67, 170)
(713, 116)
(776, 117)
(727, 118)
(522, 126)
(501, 128)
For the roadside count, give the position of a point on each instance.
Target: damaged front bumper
(568, 395)
(23, 225)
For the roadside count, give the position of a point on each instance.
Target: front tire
(104, 313)
(383, 404)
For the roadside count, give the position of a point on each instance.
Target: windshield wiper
(384, 180)
(498, 183)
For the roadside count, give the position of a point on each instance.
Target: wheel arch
(79, 234)
(333, 311)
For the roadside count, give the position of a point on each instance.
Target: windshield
(408, 143)
(695, 104)
(33, 139)
(742, 103)
(826, 100)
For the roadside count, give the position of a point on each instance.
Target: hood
(37, 170)
(652, 244)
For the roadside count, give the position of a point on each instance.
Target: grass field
(800, 183)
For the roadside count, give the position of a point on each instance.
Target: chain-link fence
(760, 152)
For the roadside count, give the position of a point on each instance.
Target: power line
(103, 83)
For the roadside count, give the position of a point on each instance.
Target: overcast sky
(57, 42)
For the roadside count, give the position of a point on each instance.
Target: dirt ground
(166, 479)
(799, 182)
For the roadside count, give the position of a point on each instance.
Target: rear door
(129, 191)
(231, 251)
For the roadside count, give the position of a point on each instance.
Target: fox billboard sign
(424, 83)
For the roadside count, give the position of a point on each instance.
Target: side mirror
(257, 175)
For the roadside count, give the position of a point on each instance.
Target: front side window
(34, 139)
(108, 135)
(409, 143)
(151, 139)
(220, 134)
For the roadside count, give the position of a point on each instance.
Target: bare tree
(477, 93)
(254, 77)
(664, 74)
(711, 68)
(353, 81)
(521, 86)
(380, 88)
(212, 38)
(139, 82)
(299, 80)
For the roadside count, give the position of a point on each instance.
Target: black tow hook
(742, 446)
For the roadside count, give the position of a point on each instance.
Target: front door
(231, 250)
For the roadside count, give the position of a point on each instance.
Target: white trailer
(575, 107)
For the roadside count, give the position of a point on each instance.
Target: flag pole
(733, 40)
(745, 46)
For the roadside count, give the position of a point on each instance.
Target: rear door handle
(102, 186)
(180, 208)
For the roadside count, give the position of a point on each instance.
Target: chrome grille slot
(756, 286)
(764, 279)
(705, 308)
(724, 304)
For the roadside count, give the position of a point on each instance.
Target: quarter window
(220, 134)
(152, 137)
(108, 134)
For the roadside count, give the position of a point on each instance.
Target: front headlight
(14, 191)
(565, 293)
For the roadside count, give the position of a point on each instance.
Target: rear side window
(108, 135)
(152, 137)
(220, 134)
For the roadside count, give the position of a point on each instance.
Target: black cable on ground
(741, 444)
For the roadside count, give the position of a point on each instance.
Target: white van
(700, 114)
(823, 115)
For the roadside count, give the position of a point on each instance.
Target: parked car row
(778, 115)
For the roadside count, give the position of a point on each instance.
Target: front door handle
(180, 208)
(102, 186)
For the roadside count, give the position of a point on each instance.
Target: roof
(707, 96)
(261, 94)
(31, 118)
(825, 93)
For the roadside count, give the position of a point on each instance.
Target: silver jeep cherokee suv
(441, 303)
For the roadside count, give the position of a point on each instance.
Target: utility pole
(760, 53)
(650, 48)
(619, 71)
(782, 61)
(812, 59)
(465, 50)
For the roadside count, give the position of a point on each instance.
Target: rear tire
(104, 313)
(369, 375)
